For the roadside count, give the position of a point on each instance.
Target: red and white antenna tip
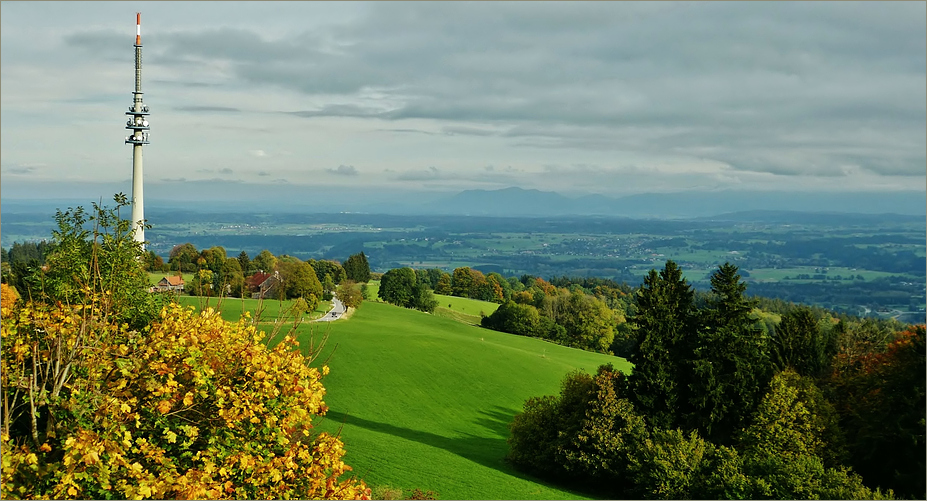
(138, 28)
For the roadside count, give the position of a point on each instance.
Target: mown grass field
(232, 308)
(460, 309)
(425, 402)
(466, 305)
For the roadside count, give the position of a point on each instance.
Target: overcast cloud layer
(610, 98)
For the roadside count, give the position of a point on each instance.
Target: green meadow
(270, 310)
(460, 309)
(466, 305)
(425, 402)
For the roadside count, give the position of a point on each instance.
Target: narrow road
(335, 313)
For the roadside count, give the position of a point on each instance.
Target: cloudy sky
(599, 97)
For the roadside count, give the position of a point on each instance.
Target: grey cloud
(173, 180)
(263, 173)
(109, 43)
(573, 169)
(194, 85)
(489, 177)
(430, 174)
(343, 170)
(507, 169)
(226, 171)
(233, 44)
(218, 180)
(408, 131)
(782, 164)
(341, 110)
(26, 169)
(804, 163)
(207, 109)
(467, 131)
(785, 88)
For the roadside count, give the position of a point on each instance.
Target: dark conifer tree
(665, 322)
(357, 268)
(800, 343)
(730, 368)
(245, 263)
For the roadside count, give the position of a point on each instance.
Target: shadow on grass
(486, 451)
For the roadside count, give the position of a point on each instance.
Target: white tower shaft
(138, 124)
(138, 195)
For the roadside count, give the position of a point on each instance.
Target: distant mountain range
(502, 202)
(520, 202)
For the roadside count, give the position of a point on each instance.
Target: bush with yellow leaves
(189, 406)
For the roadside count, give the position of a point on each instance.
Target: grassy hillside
(460, 309)
(463, 309)
(232, 308)
(425, 402)
(466, 305)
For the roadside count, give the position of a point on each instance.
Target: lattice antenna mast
(138, 125)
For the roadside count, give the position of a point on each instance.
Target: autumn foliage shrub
(881, 400)
(189, 406)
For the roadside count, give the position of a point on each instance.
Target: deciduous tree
(881, 398)
(265, 261)
(462, 282)
(349, 293)
(397, 286)
(423, 299)
(443, 286)
(299, 279)
(183, 258)
(589, 323)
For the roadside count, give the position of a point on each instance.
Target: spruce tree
(665, 323)
(729, 362)
(800, 343)
(357, 268)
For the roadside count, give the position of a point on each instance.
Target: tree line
(216, 274)
(719, 407)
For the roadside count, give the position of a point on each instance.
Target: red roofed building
(172, 283)
(264, 285)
